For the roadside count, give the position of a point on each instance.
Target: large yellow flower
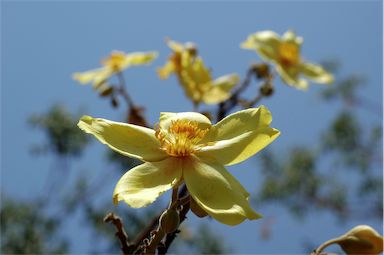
(116, 62)
(284, 52)
(186, 147)
(195, 77)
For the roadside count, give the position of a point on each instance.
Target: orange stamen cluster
(115, 60)
(181, 138)
(289, 54)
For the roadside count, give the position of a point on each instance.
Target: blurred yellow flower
(116, 62)
(361, 239)
(284, 52)
(186, 147)
(194, 76)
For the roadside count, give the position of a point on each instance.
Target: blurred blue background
(43, 43)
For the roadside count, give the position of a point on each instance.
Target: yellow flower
(361, 239)
(186, 147)
(116, 62)
(284, 52)
(195, 77)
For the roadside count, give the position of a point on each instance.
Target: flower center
(114, 61)
(182, 138)
(289, 54)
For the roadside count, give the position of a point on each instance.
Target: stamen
(115, 60)
(182, 138)
(289, 54)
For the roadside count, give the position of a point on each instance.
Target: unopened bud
(267, 89)
(105, 91)
(114, 102)
(191, 48)
(361, 239)
(261, 70)
(169, 221)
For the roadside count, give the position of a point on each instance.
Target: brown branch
(169, 238)
(146, 232)
(123, 91)
(120, 232)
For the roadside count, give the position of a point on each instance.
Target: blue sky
(43, 43)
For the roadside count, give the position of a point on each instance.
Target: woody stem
(123, 91)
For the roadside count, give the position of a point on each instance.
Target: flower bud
(169, 221)
(267, 89)
(105, 91)
(261, 70)
(191, 48)
(361, 239)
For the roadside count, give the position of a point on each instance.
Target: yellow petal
(166, 70)
(291, 77)
(166, 119)
(175, 46)
(219, 89)
(240, 135)
(316, 73)
(138, 58)
(217, 192)
(194, 77)
(141, 185)
(129, 140)
(197, 71)
(266, 43)
(96, 76)
(290, 36)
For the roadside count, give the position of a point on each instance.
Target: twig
(146, 232)
(120, 232)
(157, 237)
(169, 238)
(123, 91)
(324, 245)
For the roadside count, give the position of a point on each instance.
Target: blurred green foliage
(60, 127)
(25, 228)
(308, 177)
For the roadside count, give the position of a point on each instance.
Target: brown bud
(169, 220)
(267, 89)
(114, 102)
(136, 117)
(191, 48)
(261, 70)
(106, 91)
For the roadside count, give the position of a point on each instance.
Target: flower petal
(141, 185)
(166, 70)
(290, 36)
(217, 192)
(129, 140)
(96, 76)
(138, 58)
(173, 45)
(291, 77)
(166, 119)
(219, 89)
(266, 43)
(316, 73)
(239, 136)
(194, 77)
